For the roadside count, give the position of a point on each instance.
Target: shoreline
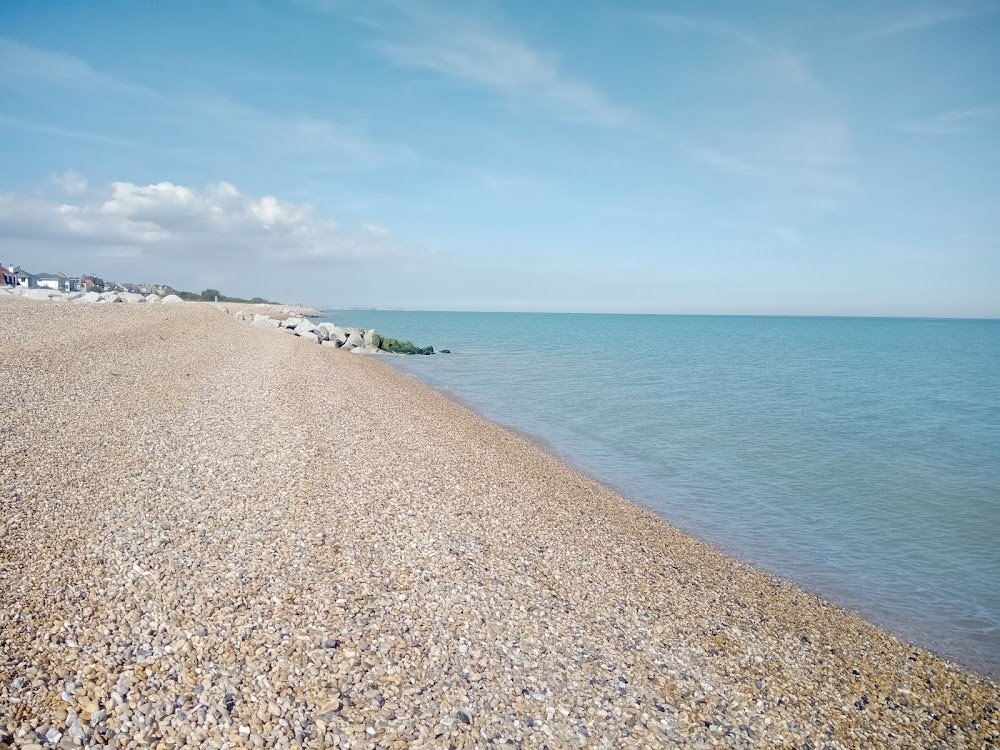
(549, 574)
(623, 492)
(541, 444)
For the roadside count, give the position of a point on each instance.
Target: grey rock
(171, 299)
(40, 294)
(354, 340)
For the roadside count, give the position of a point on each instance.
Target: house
(89, 281)
(23, 278)
(6, 277)
(48, 281)
(57, 281)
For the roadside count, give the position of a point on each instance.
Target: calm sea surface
(858, 457)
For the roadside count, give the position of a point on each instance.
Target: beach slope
(217, 535)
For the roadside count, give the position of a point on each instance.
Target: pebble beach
(214, 535)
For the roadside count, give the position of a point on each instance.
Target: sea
(857, 457)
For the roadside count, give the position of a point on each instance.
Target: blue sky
(777, 158)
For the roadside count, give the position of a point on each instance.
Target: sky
(828, 158)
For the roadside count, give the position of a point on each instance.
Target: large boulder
(366, 350)
(354, 341)
(262, 320)
(39, 293)
(305, 327)
(131, 297)
(88, 298)
(153, 298)
(290, 322)
(372, 339)
(308, 336)
(336, 333)
(171, 299)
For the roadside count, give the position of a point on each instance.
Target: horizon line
(323, 308)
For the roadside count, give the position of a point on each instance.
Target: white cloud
(956, 122)
(165, 220)
(71, 182)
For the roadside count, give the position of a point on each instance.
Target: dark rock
(395, 346)
(446, 351)
(464, 717)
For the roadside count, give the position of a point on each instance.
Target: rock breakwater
(358, 340)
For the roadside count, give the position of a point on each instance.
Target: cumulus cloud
(215, 223)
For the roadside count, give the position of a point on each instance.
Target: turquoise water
(857, 457)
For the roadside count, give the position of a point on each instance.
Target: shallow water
(859, 457)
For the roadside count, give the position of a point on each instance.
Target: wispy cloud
(82, 135)
(795, 133)
(507, 67)
(925, 18)
(23, 63)
(301, 134)
(481, 55)
(213, 114)
(806, 152)
(955, 122)
(778, 64)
